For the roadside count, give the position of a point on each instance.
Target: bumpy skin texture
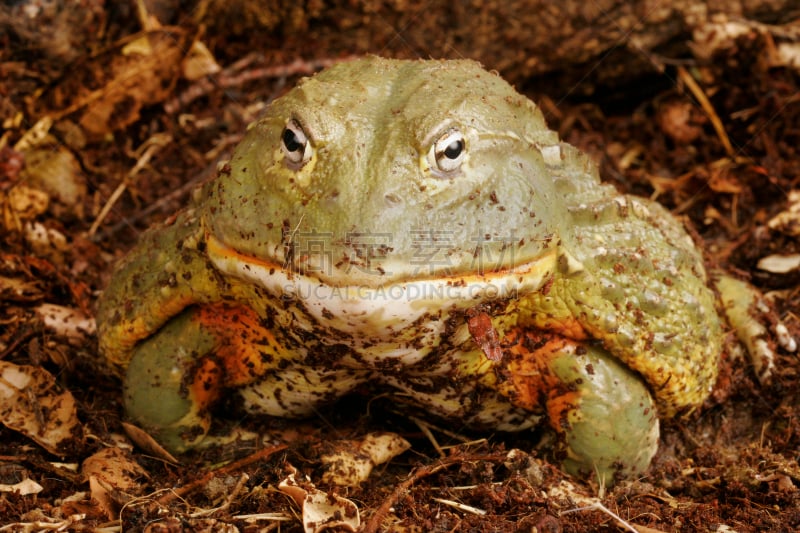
(415, 224)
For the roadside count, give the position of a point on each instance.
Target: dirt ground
(112, 114)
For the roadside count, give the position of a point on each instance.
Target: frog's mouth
(397, 304)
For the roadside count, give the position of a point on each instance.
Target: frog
(413, 227)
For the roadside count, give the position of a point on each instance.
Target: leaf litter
(90, 159)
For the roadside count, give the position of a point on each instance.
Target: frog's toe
(785, 339)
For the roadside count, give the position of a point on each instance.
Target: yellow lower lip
(400, 303)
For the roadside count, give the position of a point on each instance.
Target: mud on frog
(415, 224)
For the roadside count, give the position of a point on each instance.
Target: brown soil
(715, 139)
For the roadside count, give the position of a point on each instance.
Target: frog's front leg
(603, 412)
(747, 313)
(176, 374)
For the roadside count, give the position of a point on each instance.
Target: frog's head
(377, 172)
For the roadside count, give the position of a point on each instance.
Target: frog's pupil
(290, 141)
(454, 149)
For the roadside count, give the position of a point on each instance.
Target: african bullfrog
(414, 226)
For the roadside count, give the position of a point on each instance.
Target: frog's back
(631, 276)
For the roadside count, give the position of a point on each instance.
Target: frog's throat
(398, 303)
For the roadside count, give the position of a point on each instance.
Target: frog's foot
(747, 312)
(178, 373)
(603, 411)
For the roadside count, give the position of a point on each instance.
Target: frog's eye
(295, 145)
(448, 152)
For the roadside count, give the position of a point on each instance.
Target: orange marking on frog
(205, 385)
(527, 379)
(568, 328)
(246, 350)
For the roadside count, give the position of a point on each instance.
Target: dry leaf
(143, 440)
(35, 134)
(66, 322)
(135, 75)
(199, 62)
(788, 221)
(32, 403)
(788, 54)
(21, 204)
(51, 167)
(46, 242)
(722, 180)
(680, 121)
(779, 264)
(719, 33)
(112, 473)
(23, 488)
(352, 461)
(19, 290)
(321, 511)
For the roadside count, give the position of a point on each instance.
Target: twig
(698, 93)
(380, 513)
(275, 517)
(155, 206)
(461, 506)
(231, 77)
(151, 147)
(597, 506)
(243, 478)
(439, 429)
(16, 341)
(426, 430)
(232, 467)
(97, 94)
